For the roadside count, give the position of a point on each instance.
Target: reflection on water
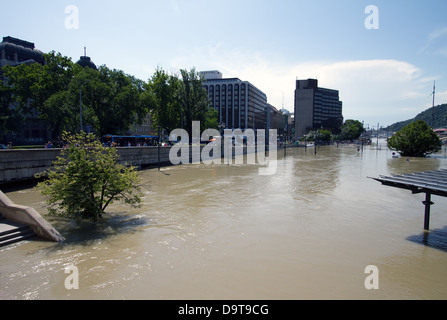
(435, 239)
(83, 232)
(326, 165)
(404, 165)
(225, 232)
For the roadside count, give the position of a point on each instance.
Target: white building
(239, 103)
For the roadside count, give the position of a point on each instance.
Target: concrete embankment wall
(22, 165)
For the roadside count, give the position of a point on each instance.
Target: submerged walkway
(429, 182)
(12, 232)
(23, 222)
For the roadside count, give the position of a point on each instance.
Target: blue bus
(129, 141)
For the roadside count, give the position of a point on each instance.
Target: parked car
(3, 146)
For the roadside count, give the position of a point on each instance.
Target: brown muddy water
(225, 232)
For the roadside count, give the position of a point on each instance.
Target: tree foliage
(211, 119)
(415, 140)
(32, 85)
(111, 100)
(175, 102)
(86, 178)
(10, 117)
(320, 135)
(108, 100)
(333, 124)
(194, 99)
(161, 96)
(351, 130)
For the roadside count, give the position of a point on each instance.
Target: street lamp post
(80, 102)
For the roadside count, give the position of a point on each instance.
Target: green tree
(66, 112)
(351, 130)
(33, 85)
(194, 100)
(111, 99)
(320, 135)
(415, 140)
(10, 117)
(86, 178)
(161, 97)
(211, 119)
(333, 124)
(23, 80)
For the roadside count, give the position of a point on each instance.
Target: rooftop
(85, 61)
(10, 47)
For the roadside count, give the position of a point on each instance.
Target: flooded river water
(225, 232)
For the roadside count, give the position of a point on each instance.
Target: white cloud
(442, 51)
(432, 42)
(437, 34)
(375, 91)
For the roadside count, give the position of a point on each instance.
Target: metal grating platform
(429, 182)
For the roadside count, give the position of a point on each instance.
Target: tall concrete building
(315, 107)
(239, 103)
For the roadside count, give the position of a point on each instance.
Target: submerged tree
(415, 140)
(86, 178)
(351, 130)
(320, 135)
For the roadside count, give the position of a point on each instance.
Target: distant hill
(440, 118)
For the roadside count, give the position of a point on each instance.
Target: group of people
(48, 145)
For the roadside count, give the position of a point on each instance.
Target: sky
(383, 56)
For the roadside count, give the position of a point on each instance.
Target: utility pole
(377, 135)
(433, 105)
(158, 147)
(362, 136)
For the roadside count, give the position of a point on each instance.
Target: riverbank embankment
(22, 165)
(18, 166)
